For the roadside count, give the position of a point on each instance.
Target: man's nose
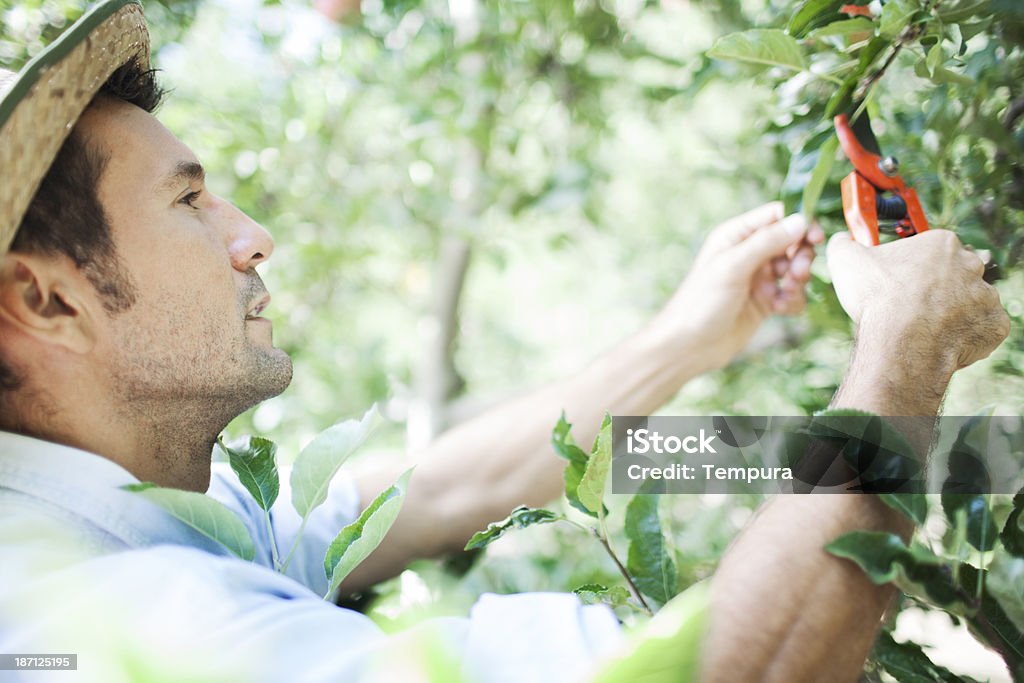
(249, 244)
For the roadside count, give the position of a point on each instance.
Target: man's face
(194, 334)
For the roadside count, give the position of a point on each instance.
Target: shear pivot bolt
(890, 166)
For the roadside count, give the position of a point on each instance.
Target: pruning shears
(875, 197)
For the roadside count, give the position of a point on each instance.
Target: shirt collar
(87, 486)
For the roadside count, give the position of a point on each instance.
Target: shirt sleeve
(307, 562)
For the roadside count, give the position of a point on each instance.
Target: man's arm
(753, 266)
(782, 608)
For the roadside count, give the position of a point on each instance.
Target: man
(130, 335)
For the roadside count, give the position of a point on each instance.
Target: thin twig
(908, 35)
(629, 579)
(1013, 112)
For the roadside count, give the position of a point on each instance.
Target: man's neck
(168, 445)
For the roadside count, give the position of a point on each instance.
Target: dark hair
(66, 216)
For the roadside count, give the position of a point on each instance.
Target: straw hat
(40, 105)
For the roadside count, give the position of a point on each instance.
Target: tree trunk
(436, 380)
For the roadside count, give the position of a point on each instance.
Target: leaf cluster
(940, 78)
(255, 463)
(967, 575)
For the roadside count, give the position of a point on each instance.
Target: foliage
(943, 576)
(650, 570)
(360, 538)
(940, 576)
(520, 518)
(29, 25)
(939, 76)
(255, 463)
(206, 515)
(650, 561)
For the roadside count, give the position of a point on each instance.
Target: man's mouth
(257, 307)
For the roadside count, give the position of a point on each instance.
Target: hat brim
(40, 107)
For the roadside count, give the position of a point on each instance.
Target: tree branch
(1013, 112)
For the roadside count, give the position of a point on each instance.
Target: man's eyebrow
(184, 171)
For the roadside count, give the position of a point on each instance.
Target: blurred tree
(30, 25)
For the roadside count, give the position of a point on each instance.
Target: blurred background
(472, 197)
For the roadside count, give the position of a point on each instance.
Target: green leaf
(907, 662)
(650, 560)
(1005, 583)
(968, 475)
(520, 518)
(981, 529)
(320, 460)
(596, 593)
(667, 648)
(921, 70)
(956, 11)
(992, 625)
(1012, 534)
(813, 13)
(761, 46)
(877, 452)
(913, 505)
(595, 477)
(896, 16)
(209, 517)
(915, 570)
(944, 76)
(360, 538)
(844, 27)
(562, 441)
(968, 31)
(936, 57)
(803, 161)
(256, 467)
(869, 54)
(842, 99)
(819, 176)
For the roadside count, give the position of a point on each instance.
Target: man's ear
(45, 297)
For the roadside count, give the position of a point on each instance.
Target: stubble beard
(180, 399)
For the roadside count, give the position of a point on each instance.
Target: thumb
(767, 243)
(850, 268)
(844, 253)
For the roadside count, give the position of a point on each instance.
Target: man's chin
(278, 371)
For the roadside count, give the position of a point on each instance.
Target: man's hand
(924, 295)
(922, 312)
(750, 267)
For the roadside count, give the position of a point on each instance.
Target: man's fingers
(767, 243)
(800, 264)
(974, 261)
(780, 265)
(789, 302)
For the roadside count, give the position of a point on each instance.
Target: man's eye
(191, 198)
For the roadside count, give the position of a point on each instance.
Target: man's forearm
(785, 610)
(504, 458)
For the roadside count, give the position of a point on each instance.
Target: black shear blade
(861, 127)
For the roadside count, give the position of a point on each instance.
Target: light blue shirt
(87, 568)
